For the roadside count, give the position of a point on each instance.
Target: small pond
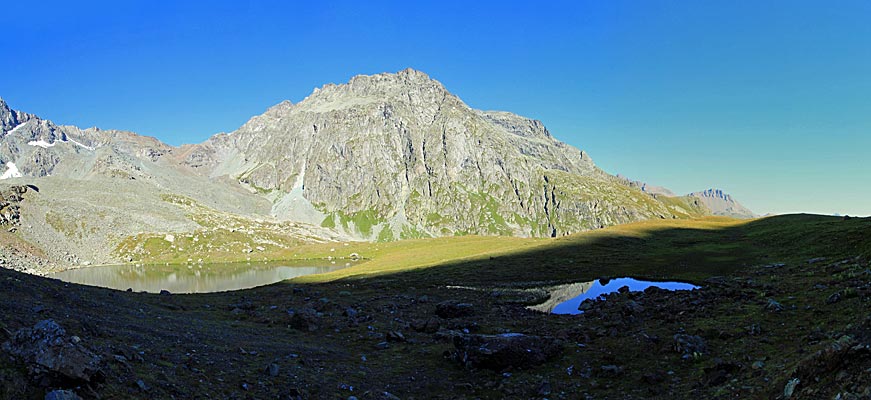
(196, 278)
(565, 299)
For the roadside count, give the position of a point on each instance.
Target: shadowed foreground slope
(784, 299)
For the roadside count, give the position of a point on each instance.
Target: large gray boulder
(505, 351)
(46, 348)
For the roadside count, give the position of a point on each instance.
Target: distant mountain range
(383, 157)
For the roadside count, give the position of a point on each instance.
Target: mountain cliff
(397, 155)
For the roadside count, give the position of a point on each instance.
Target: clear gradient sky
(768, 100)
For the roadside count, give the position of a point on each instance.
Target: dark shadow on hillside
(674, 254)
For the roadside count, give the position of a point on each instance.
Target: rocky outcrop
(505, 351)
(10, 199)
(721, 203)
(47, 349)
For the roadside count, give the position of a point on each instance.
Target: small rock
(305, 319)
(395, 336)
(142, 386)
(388, 396)
(499, 352)
(382, 346)
(689, 345)
(632, 307)
(273, 369)
(789, 389)
(586, 305)
(453, 309)
(654, 378)
(62, 395)
(774, 306)
(544, 389)
(430, 325)
(757, 365)
(350, 313)
(612, 370)
(164, 292)
(834, 298)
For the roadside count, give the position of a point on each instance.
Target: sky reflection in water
(565, 299)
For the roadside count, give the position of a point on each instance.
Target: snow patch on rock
(41, 143)
(11, 171)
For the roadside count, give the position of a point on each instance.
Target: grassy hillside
(686, 249)
(782, 299)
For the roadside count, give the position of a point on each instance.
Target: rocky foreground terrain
(381, 158)
(781, 313)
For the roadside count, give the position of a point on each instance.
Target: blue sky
(768, 100)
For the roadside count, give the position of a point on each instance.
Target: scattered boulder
(789, 389)
(612, 370)
(388, 396)
(46, 348)
(395, 336)
(350, 312)
(501, 352)
(774, 305)
(452, 309)
(689, 345)
(305, 319)
(273, 369)
(430, 325)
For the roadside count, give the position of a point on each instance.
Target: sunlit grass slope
(658, 249)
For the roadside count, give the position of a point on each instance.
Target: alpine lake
(196, 278)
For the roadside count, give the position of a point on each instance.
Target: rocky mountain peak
(722, 203)
(396, 155)
(10, 119)
(715, 193)
(408, 87)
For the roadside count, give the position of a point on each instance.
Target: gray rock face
(10, 210)
(47, 348)
(10, 118)
(721, 203)
(396, 155)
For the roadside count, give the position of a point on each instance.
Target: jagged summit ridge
(722, 203)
